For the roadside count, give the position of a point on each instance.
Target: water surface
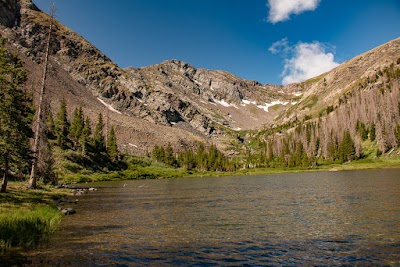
(308, 219)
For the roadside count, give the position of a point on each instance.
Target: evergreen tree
(62, 126)
(187, 159)
(16, 116)
(85, 139)
(169, 157)
(46, 164)
(397, 134)
(201, 159)
(372, 132)
(212, 158)
(347, 147)
(158, 153)
(298, 154)
(77, 124)
(362, 130)
(50, 125)
(112, 148)
(98, 137)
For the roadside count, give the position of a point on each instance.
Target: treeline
(370, 111)
(200, 159)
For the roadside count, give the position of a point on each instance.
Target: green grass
(28, 216)
(315, 79)
(26, 228)
(137, 173)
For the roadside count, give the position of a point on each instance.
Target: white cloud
(280, 10)
(304, 60)
(281, 46)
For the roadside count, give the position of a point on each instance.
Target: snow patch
(197, 82)
(248, 102)
(273, 103)
(109, 106)
(297, 93)
(133, 145)
(224, 103)
(294, 102)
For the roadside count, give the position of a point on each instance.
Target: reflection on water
(340, 218)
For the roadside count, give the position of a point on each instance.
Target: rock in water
(68, 211)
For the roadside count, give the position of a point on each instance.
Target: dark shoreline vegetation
(70, 152)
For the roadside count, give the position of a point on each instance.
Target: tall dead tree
(39, 116)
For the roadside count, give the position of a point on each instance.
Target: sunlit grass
(28, 216)
(25, 228)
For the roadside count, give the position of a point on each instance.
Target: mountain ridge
(189, 104)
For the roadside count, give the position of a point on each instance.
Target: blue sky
(271, 41)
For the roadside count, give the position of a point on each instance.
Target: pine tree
(169, 157)
(158, 153)
(112, 148)
(372, 132)
(77, 124)
(187, 160)
(85, 139)
(347, 147)
(16, 116)
(201, 158)
(46, 164)
(50, 125)
(98, 137)
(62, 126)
(298, 154)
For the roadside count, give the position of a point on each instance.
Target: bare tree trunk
(39, 119)
(5, 178)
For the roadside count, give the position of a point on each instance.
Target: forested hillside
(366, 120)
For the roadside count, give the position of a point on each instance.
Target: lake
(304, 219)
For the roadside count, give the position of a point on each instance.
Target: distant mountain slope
(171, 101)
(328, 88)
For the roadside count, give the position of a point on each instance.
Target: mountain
(328, 88)
(172, 101)
(194, 104)
(351, 112)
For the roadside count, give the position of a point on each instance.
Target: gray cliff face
(9, 13)
(170, 93)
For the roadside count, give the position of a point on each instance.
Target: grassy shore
(366, 164)
(157, 171)
(28, 216)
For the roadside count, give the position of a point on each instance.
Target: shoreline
(351, 166)
(43, 203)
(29, 217)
